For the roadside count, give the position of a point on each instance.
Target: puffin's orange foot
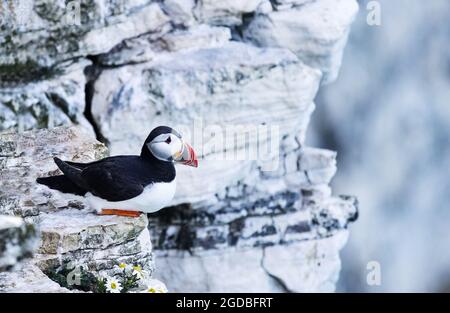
(120, 212)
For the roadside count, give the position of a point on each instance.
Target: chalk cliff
(265, 223)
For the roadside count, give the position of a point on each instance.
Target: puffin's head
(166, 144)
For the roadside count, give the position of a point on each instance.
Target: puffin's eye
(168, 140)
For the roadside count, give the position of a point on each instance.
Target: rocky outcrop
(52, 101)
(39, 34)
(29, 155)
(238, 80)
(17, 241)
(29, 278)
(303, 266)
(69, 231)
(316, 31)
(287, 228)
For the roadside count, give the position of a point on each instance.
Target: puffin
(128, 185)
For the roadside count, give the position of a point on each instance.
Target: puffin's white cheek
(175, 147)
(161, 150)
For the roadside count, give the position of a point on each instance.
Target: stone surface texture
(17, 241)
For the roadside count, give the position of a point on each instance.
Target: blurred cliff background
(388, 116)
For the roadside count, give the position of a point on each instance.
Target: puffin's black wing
(61, 183)
(112, 179)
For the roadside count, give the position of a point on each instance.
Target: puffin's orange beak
(187, 156)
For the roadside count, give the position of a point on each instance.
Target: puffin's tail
(61, 183)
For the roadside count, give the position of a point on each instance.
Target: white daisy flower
(123, 266)
(113, 285)
(138, 272)
(156, 286)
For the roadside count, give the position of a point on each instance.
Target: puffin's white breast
(152, 199)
